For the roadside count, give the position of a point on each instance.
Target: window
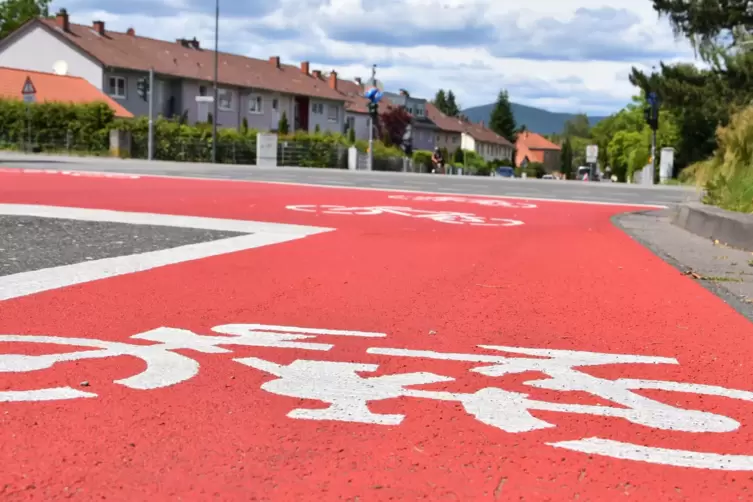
(118, 87)
(225, 99)
(317, 108)
(351, 123)
(255, 104)
(202, 90)
(275, 104)
(333, 113)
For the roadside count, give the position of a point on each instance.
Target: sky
(559, 55)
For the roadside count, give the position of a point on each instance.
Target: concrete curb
(729, 228)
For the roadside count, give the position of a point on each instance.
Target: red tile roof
(481, 133)
(444, 122)
(55, 88)
(129, 51)
(535, 141)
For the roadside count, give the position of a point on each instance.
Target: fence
(68, 143)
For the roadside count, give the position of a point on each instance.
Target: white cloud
(563, 55)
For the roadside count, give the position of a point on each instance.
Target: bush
(56, 126)
(728, 175)
(422, 160)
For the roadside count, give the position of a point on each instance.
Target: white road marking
(36, 281)
(386, 188)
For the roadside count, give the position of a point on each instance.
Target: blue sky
(561, 55)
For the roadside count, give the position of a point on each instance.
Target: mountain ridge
(535, 119)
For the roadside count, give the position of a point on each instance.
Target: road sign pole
(151, 114)
(653, 157)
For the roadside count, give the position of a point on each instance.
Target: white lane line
(390, 189)
(258, 234)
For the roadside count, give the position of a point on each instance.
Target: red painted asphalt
(566, 279)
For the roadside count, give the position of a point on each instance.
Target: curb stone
(733, 229)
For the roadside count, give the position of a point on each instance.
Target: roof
(482, 133)
(129, 51)
(522, 152)
(444, 122)
(354, 100)
(534, 141)
(56, 89)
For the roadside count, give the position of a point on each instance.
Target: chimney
(333, 80)
(317, 74)
(358, 81)
(482, 123)
(99, 27)
(305, 67)
(131, 32)
(61, 19)
(275, 60)
(195, 43)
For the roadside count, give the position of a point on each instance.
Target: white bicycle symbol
(481, 202)
(348, 394)
(452, 217)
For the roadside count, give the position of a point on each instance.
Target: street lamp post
(216, 71)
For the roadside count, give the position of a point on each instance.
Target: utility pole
(652, 117)
(374, 116)
(151, 114)
(216, 71)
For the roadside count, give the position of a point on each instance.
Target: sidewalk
(724, 271)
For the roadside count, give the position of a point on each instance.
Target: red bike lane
(468, 362)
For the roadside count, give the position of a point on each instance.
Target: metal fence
(42, 142)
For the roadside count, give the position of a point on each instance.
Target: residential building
(259, 91)
(52, 88)
(449, 129)
(424, 130)
(485, 142)
(356, 108)
(532, 147)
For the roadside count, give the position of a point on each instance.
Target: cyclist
(438, 161)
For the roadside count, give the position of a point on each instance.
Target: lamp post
(216, 70)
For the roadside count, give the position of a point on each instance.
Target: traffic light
(373, 110)
(407, 143)
(142, 88)
(651, 115)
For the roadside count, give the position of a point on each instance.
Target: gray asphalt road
(529, 188)
(30, 243)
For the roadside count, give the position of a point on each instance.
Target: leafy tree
(578, 126)
(244, 125)
(317, 129)
(567, 158)
(453, 110)
(393, 124)
(351, 135)
(459, 156)
(14, 13)
(440, 101)
(283, 127)
(502, 120)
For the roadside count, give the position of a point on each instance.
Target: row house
(259, 91)
(454, 133)
(424, 130)
(532, 147)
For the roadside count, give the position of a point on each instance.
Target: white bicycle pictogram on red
(348, 393)
(481, 202)
(452, 217)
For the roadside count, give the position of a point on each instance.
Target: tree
(14, 13)
(317, 129)
(459, 157)
(578, 126)
(440, 101)
(502, 120)
(453, 110)
(352, 135)
(567, 158)
(282, 126)
(393, 124)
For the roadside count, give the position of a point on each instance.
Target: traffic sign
(653, 99)
(28, 91)
(28, 87)
(592, 154)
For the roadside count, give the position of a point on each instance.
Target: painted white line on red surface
(36, 281)
(399, 190)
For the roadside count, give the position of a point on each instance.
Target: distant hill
(535, 119)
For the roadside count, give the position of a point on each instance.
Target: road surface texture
(529, 188)
(288, 342)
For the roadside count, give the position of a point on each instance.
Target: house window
(317, 108)
(255, 103)
(275, 104)
(350, 123)
(118, 87)
(202, 90)
(225, 99)
(333, 113)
